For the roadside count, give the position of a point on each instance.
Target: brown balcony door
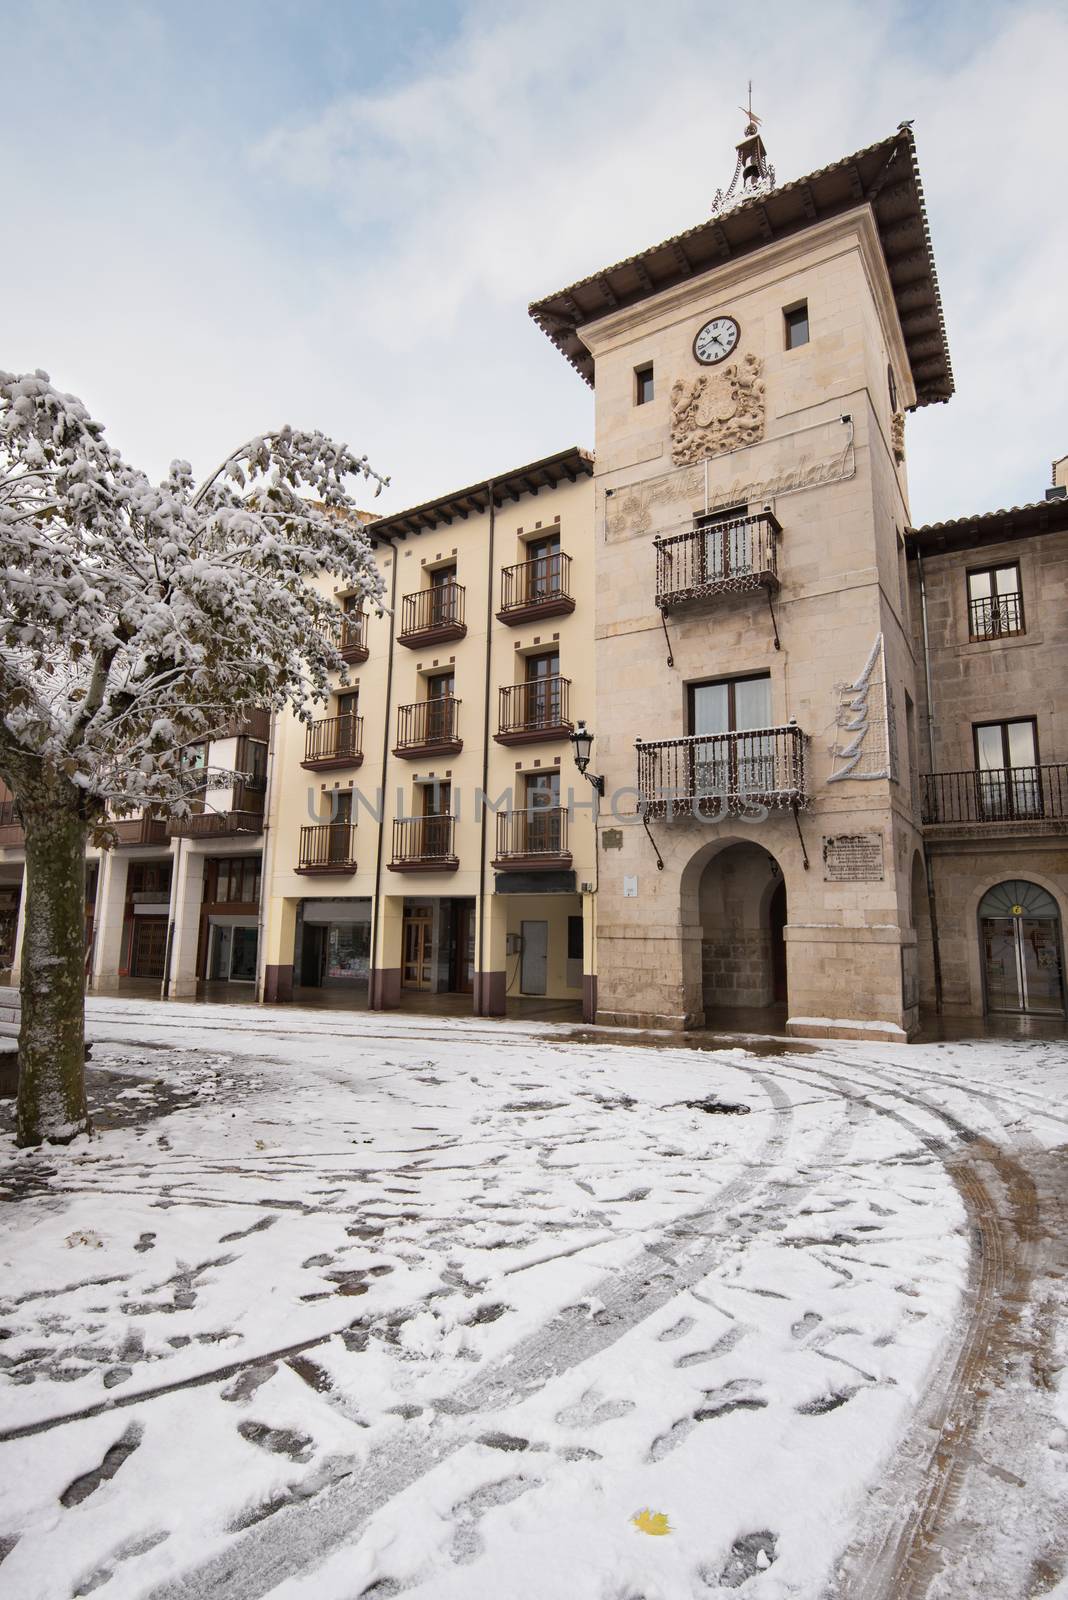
(543, 690)
(724, 544)
(338, 840)
(437, 812)
(441, 595)
(541, 819)
(348, 724)
(417, 965)
(439, 692)
(543, 567)
(1008, 779)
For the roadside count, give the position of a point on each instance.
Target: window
(796, 320)
(544, 566)
(236, 881)
(1008, 777)
(643, 384)
(732, 705)
(440, 690)
(995, 603)
(738, 755)
(725, 551)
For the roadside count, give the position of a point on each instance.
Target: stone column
(279, 935)
(490, 939)
(187, 897)
(107, 922)
(385, 986)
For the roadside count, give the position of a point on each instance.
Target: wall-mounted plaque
(853, 858)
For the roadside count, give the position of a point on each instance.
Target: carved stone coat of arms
(718, 411)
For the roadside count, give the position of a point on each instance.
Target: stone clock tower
(759, 841)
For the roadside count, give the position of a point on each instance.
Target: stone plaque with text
(853, 858)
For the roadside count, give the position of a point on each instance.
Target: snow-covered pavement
(339, 1305)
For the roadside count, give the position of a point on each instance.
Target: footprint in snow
(676, 1330)
(723, 1344)
(467, 1544)
(591, 1411)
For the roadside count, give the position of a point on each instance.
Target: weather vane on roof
(752, 170)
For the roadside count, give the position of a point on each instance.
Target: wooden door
(417, 967)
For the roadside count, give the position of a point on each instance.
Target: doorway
(742, 905)
(462, 947)
(417, 958)
(1020, 943)
(149, 947)
(534, 961)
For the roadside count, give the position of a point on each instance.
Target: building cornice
(566, 466)
(988, 528)
(885, 177)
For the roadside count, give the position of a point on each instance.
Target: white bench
(10, 1011)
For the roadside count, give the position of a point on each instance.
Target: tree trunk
(51, 1097)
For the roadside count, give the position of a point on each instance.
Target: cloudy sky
(220, 216)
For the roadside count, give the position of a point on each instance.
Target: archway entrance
(742, 908)
(1020, 942)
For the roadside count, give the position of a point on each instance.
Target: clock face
(716, 340)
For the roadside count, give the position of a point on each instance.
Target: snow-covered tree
(136, 620)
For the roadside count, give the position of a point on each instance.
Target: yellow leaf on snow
(654, 1522)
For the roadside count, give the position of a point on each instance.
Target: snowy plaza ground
(345, 1305)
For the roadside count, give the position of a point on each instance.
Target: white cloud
(367, 268)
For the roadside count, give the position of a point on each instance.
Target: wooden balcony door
(348, 723)
(440, 690)
(543, 709)
(543, 570)
(542, 814)
(338, 842)
(441, 603)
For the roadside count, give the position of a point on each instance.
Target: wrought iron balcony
(530, 712)
(333, 742)
(996, 617)
(535, 839)
(723, 773)
(429, 727)
(717, 558)
(538, 588)
(328, 847)
(1002, 796)
(424, 844)
(352, 638)
(432, 616)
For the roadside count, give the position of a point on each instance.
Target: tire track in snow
(912, 1523)
(296, 1541)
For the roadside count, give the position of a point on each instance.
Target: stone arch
(734, 904)
(970, 922)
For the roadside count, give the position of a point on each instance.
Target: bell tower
(755, 675)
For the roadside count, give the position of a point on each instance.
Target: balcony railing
(431, 616)
(215, 824)
(537, 588)
(721, 773)
(352, 638)
(328, 847)
(533, 838)
(1002, 795)
(140, 830)
(535, 710)
(717, 558)
(334, 742)
(424, 844)
(429, 726)
(995, 617)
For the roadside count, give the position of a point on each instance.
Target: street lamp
(582, 745)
